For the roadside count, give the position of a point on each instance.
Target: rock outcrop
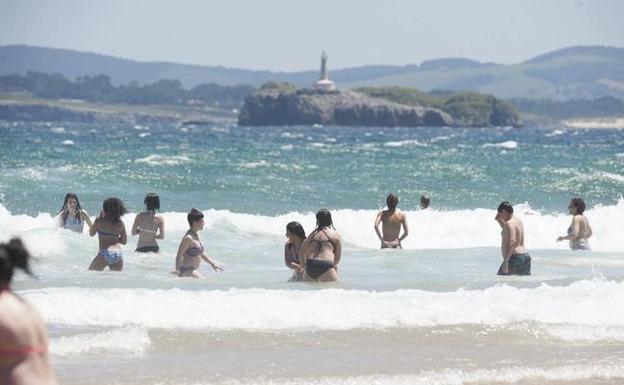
(279, 106)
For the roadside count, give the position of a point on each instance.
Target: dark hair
(13, 255)
(425, 200)
(193, 216)
(506, 207)
(113, 209)
(296, 228)
(152, 202)
(324, 219)
(65, 213)
(392, 201)
(579, 204)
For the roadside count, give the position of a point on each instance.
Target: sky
(282, 35)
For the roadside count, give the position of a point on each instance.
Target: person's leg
(98, 263)
(117, 266)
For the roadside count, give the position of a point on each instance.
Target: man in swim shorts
(516, 260)
(391, 221)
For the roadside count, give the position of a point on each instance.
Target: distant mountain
(575, 72)
(569, 73)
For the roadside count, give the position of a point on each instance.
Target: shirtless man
(516, 260)
(391, 221)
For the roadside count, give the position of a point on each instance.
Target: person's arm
(405, 228)
(123, 237)
(337, 250)
(288, 258)
(93, 229)
(576, 230)
(135, 225)
(305, 249)
(377, 223)
(184, 244)
(161, 228)
(509, 244)
(85, 217)
(215, 266)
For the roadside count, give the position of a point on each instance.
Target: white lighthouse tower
(324, 84)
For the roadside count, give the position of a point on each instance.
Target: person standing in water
(72, 216)
(391, 221)
(111, 233)
(516, 260)
(292, 249)
(425, 200)
(579, 230)
(149, 225)
(322, 250)
(24, 357)
(191, 249)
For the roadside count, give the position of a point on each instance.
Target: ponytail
(13, 255)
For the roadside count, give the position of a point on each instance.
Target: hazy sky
(289, 35)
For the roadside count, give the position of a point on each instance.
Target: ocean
(432, 313)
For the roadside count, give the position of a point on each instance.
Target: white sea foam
(128, 339)
(159, 160)
(510, 144)
(585, 303)
(144, 134)
(432, 229)
(68, 142)
(611, 371)
(555, 133)
(290, 135)
(58, 130)
(401, 143)
(257, 164)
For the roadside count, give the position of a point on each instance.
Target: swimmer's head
(113, 209)
(505, 209)
(296, 229)
(324, 219)
(71, 200)
(392, 201)
(425, 200)
(12, 255)
(578, 205)
(194, 216)
(152, 202)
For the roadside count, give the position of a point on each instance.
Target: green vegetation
(467, 108)
(99, 89)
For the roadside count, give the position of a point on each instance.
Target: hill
(570, 73)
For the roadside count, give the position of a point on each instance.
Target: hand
(560, 239)
(505, 268)
(299, 270)
(216, 267)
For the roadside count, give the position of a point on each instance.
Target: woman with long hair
(23, 340)
(292, 249)
(72, 216)
(322, 250)
(149, 225)
(111, 233)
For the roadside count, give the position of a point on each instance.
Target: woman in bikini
(72, 216)
(579, 230)
(24, 343)
(191, 249)
(322, 250)
(292, 249)
(149, 225)
(111, 233)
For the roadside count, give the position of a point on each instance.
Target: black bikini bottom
(317, 267)
(147, 249)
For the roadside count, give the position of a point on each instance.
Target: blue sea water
(407, 316)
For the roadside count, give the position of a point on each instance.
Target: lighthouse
(324, 84)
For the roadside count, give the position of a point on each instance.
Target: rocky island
(279, 104)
